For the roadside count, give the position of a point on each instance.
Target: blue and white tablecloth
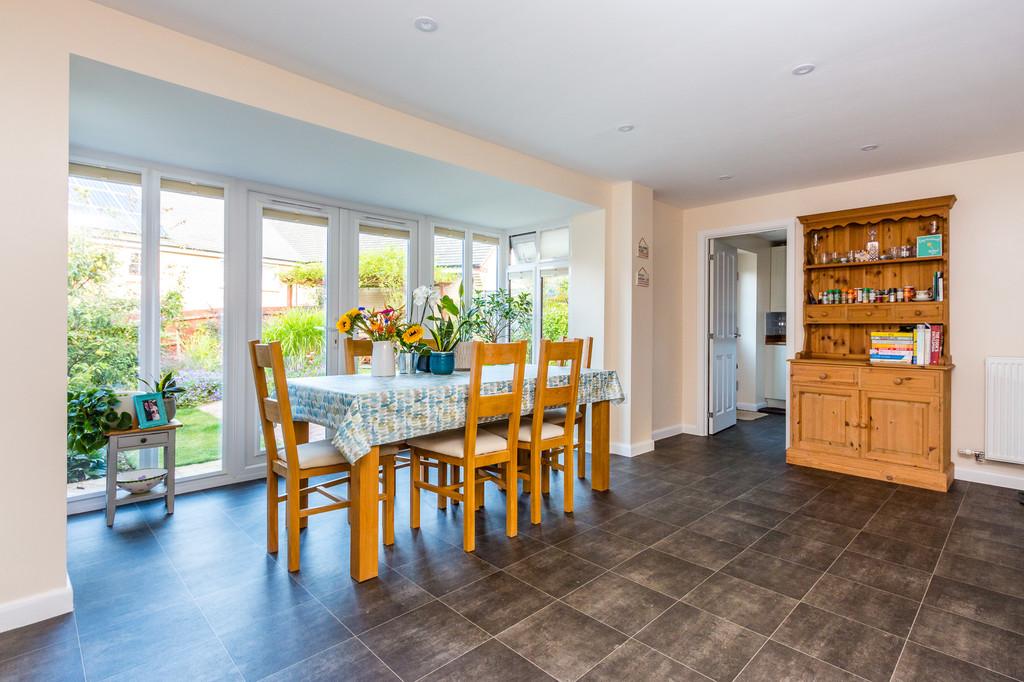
(366, 411)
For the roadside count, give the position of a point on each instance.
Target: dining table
(365, 412)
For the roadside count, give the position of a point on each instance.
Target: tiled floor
(710, 558)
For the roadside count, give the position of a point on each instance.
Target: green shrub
(301, 333)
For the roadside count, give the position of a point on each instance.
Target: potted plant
(418, 357)
(383, 327)
(92, 413)
(449, 326)
(498, 315)
(168, 387)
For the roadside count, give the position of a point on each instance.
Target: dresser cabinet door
(902, 428)
(826, 419)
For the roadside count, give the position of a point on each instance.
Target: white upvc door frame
(538, 267)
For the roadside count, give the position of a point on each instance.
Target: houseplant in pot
(424, 298)
(92, 414)
(167, 386)
(380, 326)
(448, 326)
(498, 315)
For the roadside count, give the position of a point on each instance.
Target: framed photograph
(642, 250)
(929, 245)
(149, 407)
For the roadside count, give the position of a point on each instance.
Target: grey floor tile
(803, 551)
(350, 661)
(228, 608)
(699, 549)
(670, 510)
(844, 643)
(817, 529)
(639, 528)
(723, 528)
(361, 606)
(921, 663)
(908, 531)
(554, 529)
(207, 661)
(52, 631)
(792, 580)
(500, 550)
(264, 645)
(777, 662)
(554, 571)
(440, 575)
(965, 544)
(618, 602)
(743, 603)
(991, 531)
(663, 573)
(636, 661)
(977, 603)
(601, 548)
(983, 574)
(710, 645)
(896, 551)
(775, 500)
(755, 514)
(836, 513)
(879, 609)
(61, 662)
(562, 641)
(497, 602)
(490, 660)
(902, 580)
(423, 640)
(901, 511)
(984, 645)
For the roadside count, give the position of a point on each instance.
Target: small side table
(140, 439)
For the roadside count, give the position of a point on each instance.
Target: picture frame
(929, 245)
(150, 410)
(643, 279)
(642, 249)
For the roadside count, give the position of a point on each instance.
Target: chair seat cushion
(547, 429)
(322, 453)
(452, 443)
(557, 414)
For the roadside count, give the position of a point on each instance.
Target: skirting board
(751, 407)
(675, 430)
(977, 475)
(37, 607)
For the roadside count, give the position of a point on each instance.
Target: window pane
(554, 244)
(192, 320)
(293, 295)
(383, 264)
(555, 303)
(104, 293)
(448, 252)
(485, 263)
(519, 282)
(522, 249)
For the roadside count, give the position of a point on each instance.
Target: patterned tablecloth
(366, 411)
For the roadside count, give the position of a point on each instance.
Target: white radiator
(1004, 409)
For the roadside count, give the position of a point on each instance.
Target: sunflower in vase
(383, 327)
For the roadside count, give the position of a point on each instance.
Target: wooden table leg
(363, 491)
(599, 461)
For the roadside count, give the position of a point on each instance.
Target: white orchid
(420, 295)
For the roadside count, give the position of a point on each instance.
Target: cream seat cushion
(453, 442)
(547, 429)
(322, 453)
(557, 414)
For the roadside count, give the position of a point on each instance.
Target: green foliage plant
(91, 414)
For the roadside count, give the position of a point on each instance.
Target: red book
(936, 350)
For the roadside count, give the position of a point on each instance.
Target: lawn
(198, 440)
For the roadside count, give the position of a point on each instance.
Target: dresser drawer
(869, 313)
(920, 380)
(142, 440)
(920, 312)
(825, 313)
(825, 374)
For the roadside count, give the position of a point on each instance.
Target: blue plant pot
(442, 363)
(423, 363)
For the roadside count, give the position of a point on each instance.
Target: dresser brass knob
(823, 376)
(897, 381)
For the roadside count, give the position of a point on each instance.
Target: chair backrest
(276, 410)
(563, 353)
(588, 351)
(355, 348)
(497, 404)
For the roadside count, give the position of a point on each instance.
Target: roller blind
(81, 170)
(485, 239)
(448, 232)
(377, 231)
(182, 187)
(289, 216)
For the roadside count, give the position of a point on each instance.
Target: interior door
(722, 338)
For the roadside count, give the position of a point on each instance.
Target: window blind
(289, 216)
(81, 170)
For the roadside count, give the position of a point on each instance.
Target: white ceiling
(707, 83)
(118, 111)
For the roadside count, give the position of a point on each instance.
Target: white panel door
(722, 339)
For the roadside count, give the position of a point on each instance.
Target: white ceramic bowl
(140, 480)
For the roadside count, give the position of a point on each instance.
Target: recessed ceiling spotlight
(425, 24)
(803, 69)
(725, 177)
(626, 128)
(869, 148)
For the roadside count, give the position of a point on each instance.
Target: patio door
(296, 290)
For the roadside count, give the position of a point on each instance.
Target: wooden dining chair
(303, 460)
(544, 438)
(581, 413)
(473, 451)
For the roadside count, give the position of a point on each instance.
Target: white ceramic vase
(382, 363)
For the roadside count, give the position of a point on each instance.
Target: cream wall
(36, 41)
(986, 243)
(671, 332)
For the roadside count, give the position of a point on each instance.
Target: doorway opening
(747, 340)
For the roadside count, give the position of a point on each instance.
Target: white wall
(987, 238)
(748, 376)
